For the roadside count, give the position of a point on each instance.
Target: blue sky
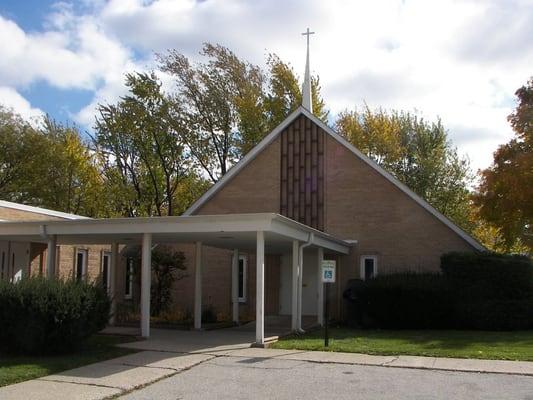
(460, 61)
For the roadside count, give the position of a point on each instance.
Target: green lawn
(462, 344)
(15, 369)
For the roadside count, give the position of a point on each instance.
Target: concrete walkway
(169, 352)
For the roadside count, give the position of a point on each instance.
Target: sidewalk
(163, 358)
(432, 363)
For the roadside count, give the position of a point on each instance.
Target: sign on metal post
(328, 271)
(328, 276)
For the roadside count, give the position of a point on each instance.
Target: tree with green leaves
(168, 266)
(19, 143)
(145, 154)
(228, 105)
(416, 152)
(72, 173)
(505, 194)
(49, 166)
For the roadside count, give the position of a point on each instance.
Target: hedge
(39, 316)
(475, 291)
(406, 301)
(489, 275)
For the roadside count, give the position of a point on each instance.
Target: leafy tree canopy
(228, 105)
(49, 166)
(505, 194)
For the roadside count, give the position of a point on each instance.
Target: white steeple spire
(306, 87)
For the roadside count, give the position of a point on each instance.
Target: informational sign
(328, 271)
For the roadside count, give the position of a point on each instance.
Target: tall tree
(56, 155)
(19, 143)
(505, 194)
(228, 105)
(416, 152)
(72, 173)
(144, 151)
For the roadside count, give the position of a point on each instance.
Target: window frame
(362, 265)
(128, 287)
(84, 266)
(106, 254)
(244, 258)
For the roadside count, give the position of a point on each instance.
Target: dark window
(80, 265)
(369, 268)
(105, 270)
(3, 263)
(129, 277)
(242, 279)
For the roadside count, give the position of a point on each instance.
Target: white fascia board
(234, 170)
(469, 239)
(295, 230)
(196, 224)
(39, 210)
(331, 245)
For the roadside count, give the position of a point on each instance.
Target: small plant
(168, 266)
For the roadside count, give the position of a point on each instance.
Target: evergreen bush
(41, 316)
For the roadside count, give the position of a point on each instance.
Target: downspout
(300, 278)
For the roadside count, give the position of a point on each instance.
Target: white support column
(320, 286)
(198, 288)
(235, 285)
(260, 290)
(113, 283)
(51, 257)
(294, 294)
(300, 284)
(146, 275)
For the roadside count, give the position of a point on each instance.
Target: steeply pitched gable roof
(274, 134)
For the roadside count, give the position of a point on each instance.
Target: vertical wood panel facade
(302, 173)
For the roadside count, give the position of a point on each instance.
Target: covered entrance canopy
(266, 232)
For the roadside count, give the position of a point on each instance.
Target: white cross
(308, 33)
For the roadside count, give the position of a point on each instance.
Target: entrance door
(309, 283)
(285, 285)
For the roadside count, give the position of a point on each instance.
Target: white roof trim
(301, 110)
(85, 230)
(38, 210)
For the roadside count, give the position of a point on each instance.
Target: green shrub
(495, 314)
(40, 316)
(475, 291)
(406, 301)
(490, 291)
(489, 275)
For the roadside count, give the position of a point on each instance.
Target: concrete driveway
(273, 378)
(221, 364)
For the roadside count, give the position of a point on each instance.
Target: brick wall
(12, 214)
(255, 189)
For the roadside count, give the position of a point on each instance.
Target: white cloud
(461, 61)
(10, 98)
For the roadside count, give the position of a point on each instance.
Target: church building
(255, 241)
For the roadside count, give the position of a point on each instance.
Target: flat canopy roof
(224, 231)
